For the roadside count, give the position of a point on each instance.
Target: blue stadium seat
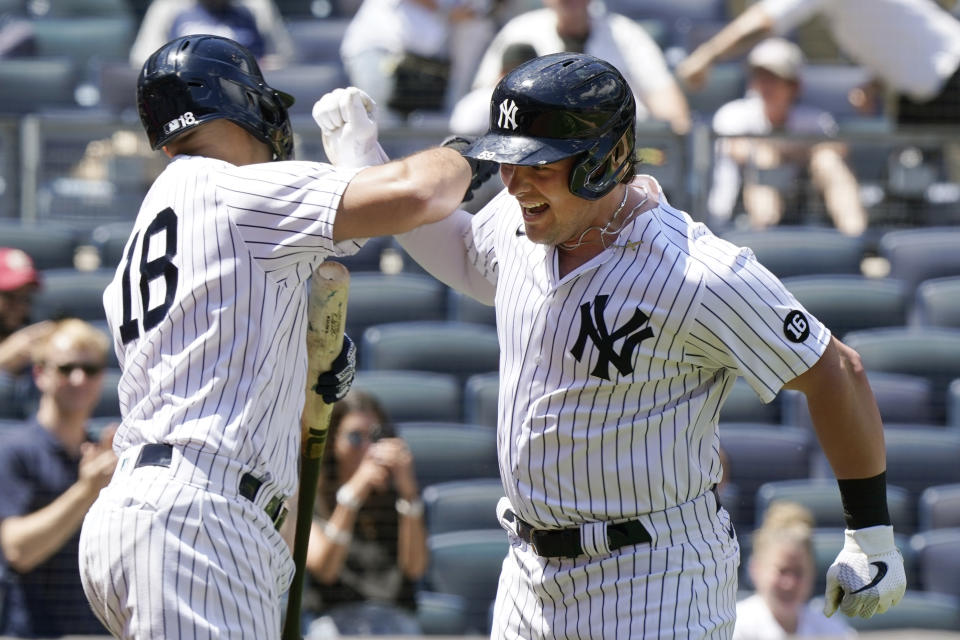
(930, 352)
(938, 303)
(822, 497)
(939, 507)
(917, 610)
(445, 451)
(744, 405)
(377, 298)
(460, 348)
(760, 454)
(50, 246)
(72, 293)
(38, 84)
(413, 395)
(460, 505)
(480, 395)
(317, 41)
(850, 302)
(920, 254)
(801, 250)
(937, 556)
(109, 404)
(467, 564)
(463, 308)
(902, 399)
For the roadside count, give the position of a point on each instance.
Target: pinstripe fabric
(208, 313)
(611, 382)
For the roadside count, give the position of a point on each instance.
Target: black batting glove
(481, 170)
(333, 385)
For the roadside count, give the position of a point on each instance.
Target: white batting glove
(867, 577)
(349, 129)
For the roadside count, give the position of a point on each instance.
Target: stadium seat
(826, 86)
(939, 507)
(50, 247)
(80, 8)
(938, 303)
(801, 250)
(953, 403)
(441, 614)
(109, 240)
(918, 458)
(726, 82)
(377, 298)
(467, 564)
(917, 610)
(413, 395)
(822, 498)
(459, 348)
(480, 395)
(463, 308)
(116, 83)
(460, 505)
(931, 352)
(84, 38)
(71, 293)
(308, 82)
(109, 404)
(317, 41)
(850, 302)
(445, 451)
(744, 405)
(760, 454)
(937, 556)
(902, 399)
(920, 254)
(32, 85)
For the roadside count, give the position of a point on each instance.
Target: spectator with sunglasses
(19, 281)
(368, 541)
(51, 471)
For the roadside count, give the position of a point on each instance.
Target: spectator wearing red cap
(18, 282)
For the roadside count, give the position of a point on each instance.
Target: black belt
(565, 543)
(161, 455)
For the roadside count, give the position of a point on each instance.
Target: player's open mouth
(532, 210)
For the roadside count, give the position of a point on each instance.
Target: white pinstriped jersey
(208, 308)
(612, 377)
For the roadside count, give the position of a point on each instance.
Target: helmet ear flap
(601, 168)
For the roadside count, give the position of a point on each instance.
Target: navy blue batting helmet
(562, 105)
(198, 78)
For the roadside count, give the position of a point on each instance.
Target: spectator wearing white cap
(769, 172)
(911, 48)
(19, 280)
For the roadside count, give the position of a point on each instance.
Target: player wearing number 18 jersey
(623, 325)
(208, 313)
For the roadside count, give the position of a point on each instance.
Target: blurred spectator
(471, 115)
(585, 26)
(256, 24)
(415, 54)
(773, 172)
(912, 48)
(782, 569)
(16, 31)
(368, 540)
(51, 472)
(19, 280)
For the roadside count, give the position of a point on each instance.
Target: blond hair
(784, 521)
(77, 334)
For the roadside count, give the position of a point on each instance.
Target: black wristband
(865, 501)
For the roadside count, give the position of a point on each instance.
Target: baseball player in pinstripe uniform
(623, 325)
(208, 313)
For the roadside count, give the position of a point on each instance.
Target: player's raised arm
(386, 197)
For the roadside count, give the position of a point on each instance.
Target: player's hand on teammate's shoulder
(868, 576)
(348, 126)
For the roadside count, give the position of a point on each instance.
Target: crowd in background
(774, 157)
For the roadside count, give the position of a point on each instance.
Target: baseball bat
(326, 316)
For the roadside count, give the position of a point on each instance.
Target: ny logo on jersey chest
(594, 326)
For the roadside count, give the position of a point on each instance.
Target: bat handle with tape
(326, 317)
